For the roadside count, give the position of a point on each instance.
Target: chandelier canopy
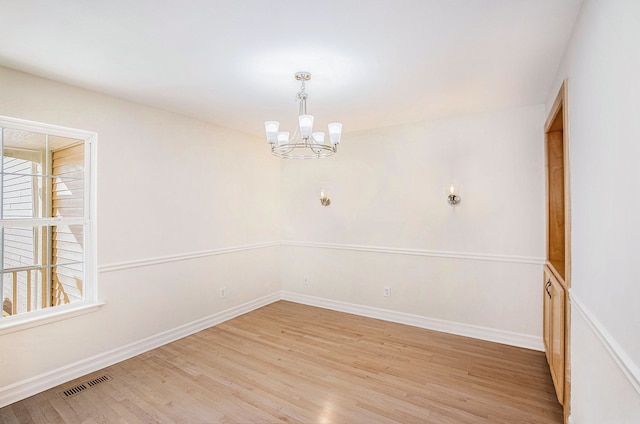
(304, 144)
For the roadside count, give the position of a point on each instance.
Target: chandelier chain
(302, 94)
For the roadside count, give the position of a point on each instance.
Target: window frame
(89, 302)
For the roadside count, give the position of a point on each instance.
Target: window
(47, 236)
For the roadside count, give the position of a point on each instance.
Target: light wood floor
(292, 363)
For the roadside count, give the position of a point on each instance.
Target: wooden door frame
(560, 110)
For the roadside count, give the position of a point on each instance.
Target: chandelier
(304, 144)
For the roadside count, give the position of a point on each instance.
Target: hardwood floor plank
(291, 363)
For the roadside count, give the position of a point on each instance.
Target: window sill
(48, 318)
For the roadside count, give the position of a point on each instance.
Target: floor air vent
(98, 380)
(74, 390)
(84, 386)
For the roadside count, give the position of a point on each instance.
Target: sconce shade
(306, 125)
(318, 137)
(335, 131)
(283, 137)
(271, 127)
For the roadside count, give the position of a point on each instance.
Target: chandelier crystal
(304, 144)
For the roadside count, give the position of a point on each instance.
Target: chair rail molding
(182, 257)
(118, 266)
(624, 362)
(421, 252)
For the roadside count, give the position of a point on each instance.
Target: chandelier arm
(287, 149)
(320, 149)
(298, 152)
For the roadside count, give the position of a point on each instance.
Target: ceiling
(231, 62)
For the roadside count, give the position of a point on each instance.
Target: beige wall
(478, 263)
(168, 186)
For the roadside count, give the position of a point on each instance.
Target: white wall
(477, 264)
(169, 187)
(602, 64)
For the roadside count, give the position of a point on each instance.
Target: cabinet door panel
(557, 337)
(546, 329)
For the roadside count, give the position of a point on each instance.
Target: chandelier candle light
(304, 144)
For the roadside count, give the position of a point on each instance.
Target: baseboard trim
(31, 386)
(629, 368)
(422, 252)
(183, 257)
(467, 330)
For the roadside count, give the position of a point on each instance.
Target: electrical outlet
(306, 280)
(387, 291)
(223, 292)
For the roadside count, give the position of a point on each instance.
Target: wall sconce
(324, 198)
(452, 194)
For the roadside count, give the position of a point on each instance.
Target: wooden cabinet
(554, 330)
